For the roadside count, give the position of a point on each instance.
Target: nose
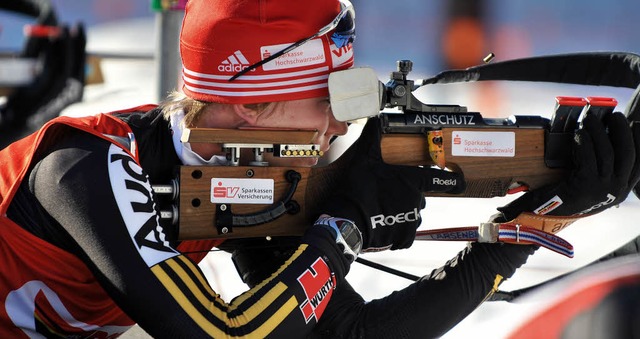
(336, 127)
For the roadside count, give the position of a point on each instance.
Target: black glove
(385, 200)
(606, 167)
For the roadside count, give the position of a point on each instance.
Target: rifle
(257, 200)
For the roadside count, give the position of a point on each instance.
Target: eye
(326, 103)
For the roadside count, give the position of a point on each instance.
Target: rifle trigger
(436, 148)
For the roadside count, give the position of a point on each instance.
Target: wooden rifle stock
(199, 218)
(485, 177)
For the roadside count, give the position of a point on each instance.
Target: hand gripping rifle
(496, 156)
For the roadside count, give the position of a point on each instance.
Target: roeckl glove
(384, 200)
(606, 156)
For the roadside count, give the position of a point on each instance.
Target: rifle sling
(615, 69)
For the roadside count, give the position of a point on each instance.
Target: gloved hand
(384, 200)
(606, 157)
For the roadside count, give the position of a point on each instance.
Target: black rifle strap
(615, 69)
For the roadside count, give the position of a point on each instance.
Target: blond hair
(179, 102)
(193, 109)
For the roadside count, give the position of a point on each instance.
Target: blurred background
(134, 45)
(434, 34)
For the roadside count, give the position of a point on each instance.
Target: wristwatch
(348, 236)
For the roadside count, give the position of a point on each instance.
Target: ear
(245, 113)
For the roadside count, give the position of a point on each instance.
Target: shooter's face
(314, 113)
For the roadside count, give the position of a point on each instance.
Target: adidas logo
(234, 63)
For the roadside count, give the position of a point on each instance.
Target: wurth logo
(224, 191)
(234, 63)
(318, 284)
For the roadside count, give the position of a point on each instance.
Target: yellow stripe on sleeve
(273, 322)
(242, 298)
(253, 312)
(188, 307)
(249, 314)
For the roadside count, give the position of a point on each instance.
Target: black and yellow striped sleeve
(288, 303)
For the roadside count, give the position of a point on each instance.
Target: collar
(183, 149)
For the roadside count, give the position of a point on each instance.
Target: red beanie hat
(221, 37)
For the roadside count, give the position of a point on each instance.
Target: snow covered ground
(132, 82)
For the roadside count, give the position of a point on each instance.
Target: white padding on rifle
(355, 93)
